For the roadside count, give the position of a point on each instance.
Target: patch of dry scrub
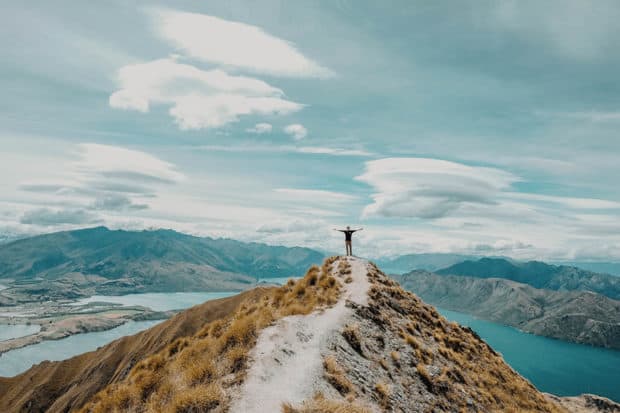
(456, 368)
(336, 376)
(193, 374)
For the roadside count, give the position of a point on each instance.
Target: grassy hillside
(61, 386)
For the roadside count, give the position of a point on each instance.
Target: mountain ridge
(386, 351)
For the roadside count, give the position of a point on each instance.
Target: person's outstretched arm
(359, 229)
(339, 230)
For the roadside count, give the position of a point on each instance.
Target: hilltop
(577, 316)
(345, 338)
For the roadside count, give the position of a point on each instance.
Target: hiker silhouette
(348, 236)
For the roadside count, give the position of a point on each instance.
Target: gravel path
(287, 360)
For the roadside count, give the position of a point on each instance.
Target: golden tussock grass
(336, 376)
(351, 333)
(194, 373)
(383, 392)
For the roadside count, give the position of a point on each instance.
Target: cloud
(321, 150)
(101, 178)
(310, 150)
(50, 217)
(572, 28)
(260, 128)
(594, 116)
(199, 111)
(429, 188)
(234, 44)
(197, 98)
(316, 195)
(116, 202)
(288, 226)
(569, 202)
(127, 164)
(297, 131)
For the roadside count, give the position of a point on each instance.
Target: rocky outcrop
(586, 403)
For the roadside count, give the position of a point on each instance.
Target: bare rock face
(586, 403)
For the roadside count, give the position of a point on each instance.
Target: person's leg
(351, 249)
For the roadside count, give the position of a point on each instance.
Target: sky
(483, 127)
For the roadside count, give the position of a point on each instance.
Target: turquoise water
(17, 330)
(554, 366)
(20, 360)
(158, 301)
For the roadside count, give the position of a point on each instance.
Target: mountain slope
(539, 275)
(345, 339)
(578, 316)
(62, 386)
(109, 262)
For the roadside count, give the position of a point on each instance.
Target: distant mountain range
(577, 316)
(99, 260)
(428, 262)
(436, 261)
(539, 275)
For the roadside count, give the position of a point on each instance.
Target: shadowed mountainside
(577, 316)
(539, 275)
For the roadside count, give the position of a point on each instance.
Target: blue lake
(17, 330)
(158, 301)
(19, 360)
(554, 366)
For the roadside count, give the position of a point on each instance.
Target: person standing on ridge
(348, 236)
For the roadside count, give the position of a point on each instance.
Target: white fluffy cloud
(260, 128)
(198, 98)
(113, 161)
(429, 188)
(234, 44)
(102, 179)
(297, 131)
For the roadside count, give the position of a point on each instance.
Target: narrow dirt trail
(287, 360)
